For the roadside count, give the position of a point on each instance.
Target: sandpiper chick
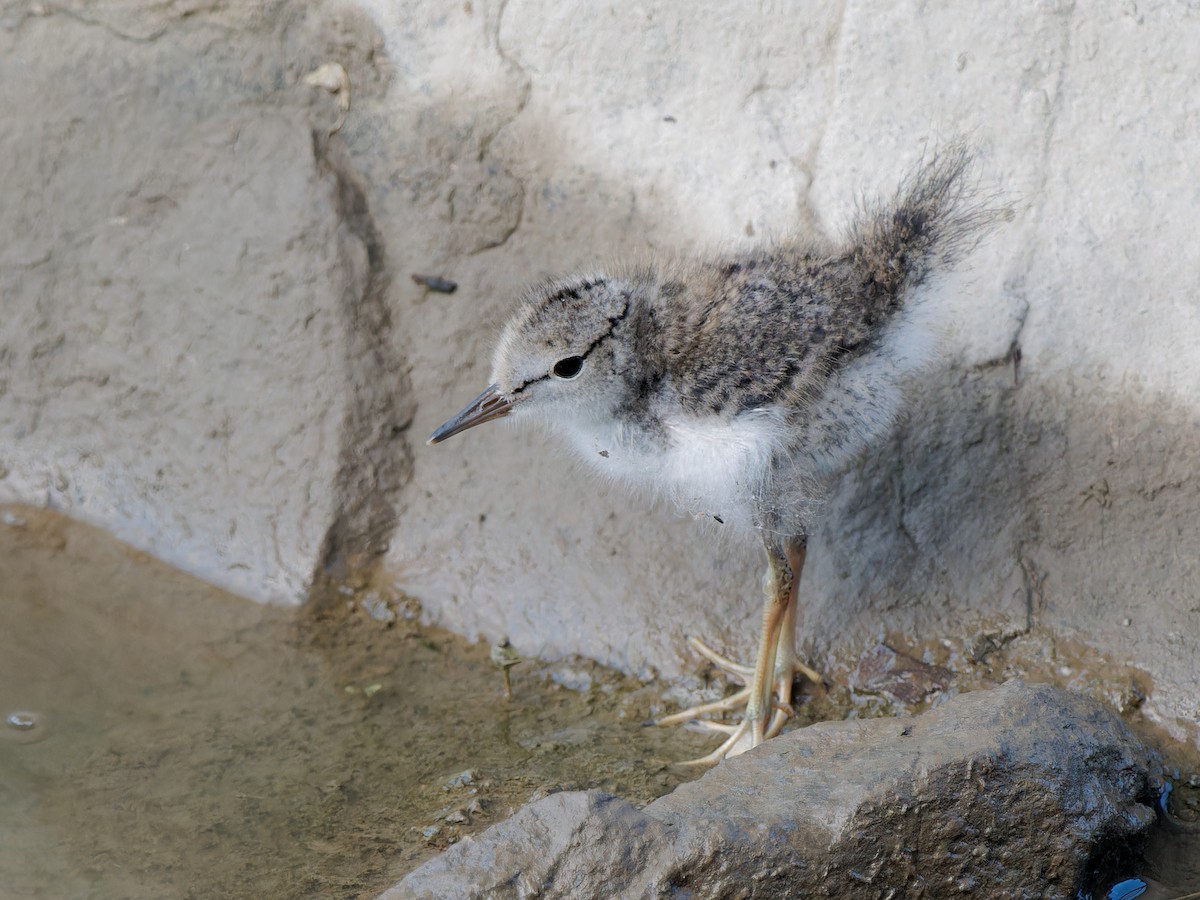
(740, 386)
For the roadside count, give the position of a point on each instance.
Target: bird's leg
(787, 664)
(779, 586)
(768, 695)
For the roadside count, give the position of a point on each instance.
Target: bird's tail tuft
(936, 217)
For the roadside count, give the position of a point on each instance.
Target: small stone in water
(377, 608)
(462, 779)
(572, 679)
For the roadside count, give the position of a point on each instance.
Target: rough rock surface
(1022, 791)
(193, 317)
(210, 344)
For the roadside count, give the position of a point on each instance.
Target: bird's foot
(755, 726)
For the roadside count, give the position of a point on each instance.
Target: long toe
(732, 746)
(733, 701)
(724, 663)
(811, 674)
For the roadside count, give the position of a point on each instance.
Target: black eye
(568, 368)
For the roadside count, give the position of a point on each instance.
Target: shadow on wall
(928, 535)
(374, 459)
(1005, 506)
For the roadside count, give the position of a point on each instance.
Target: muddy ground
(171, 739)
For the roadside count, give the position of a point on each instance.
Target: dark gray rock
(1023, 791)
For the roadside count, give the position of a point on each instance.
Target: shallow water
(186, 743)
(160, 738)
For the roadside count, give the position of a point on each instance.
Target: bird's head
(563, 357)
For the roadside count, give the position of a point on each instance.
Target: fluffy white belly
(708, 468)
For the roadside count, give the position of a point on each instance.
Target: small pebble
(24, 727)
(22, 721)
(1127, 621)
(378, 609)
(458, 817)
(14, 521)
(431, 832)
(572, 679)
(462, 779)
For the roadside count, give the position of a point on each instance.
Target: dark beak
(491, 404)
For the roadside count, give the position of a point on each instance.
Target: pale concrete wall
(496, 142)
(185, 279)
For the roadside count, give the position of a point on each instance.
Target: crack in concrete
(902, 495)
(110, 29)
(524, 76)
(485, 141)
(1034, 594)
(1013, 355)
(197, 16)
(1056, 101)
(808, 166)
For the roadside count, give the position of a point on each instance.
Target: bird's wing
(763, 331)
